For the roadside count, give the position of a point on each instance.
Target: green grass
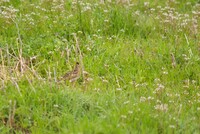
(143, 60)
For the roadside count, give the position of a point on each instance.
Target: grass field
(142, 59)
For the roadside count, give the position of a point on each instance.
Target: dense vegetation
(142, 60)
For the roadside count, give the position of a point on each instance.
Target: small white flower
(171, 126)
(161, 107)
(130, 112)
(126, 102)
(146, 3)
(142, 99)
(119, 89)
(123, 116)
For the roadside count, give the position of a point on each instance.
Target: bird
(73, 75)
(173, 60)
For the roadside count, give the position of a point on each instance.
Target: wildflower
(130, 112)
(105, 81)
(150, 98)
(142, 99)
(146, 3)
(123, 116)
(56, 106)
(126, 102)
(161, 107)
(171, 126)
(119, 89)
(159, 88)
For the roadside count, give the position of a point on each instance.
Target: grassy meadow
(140, 66)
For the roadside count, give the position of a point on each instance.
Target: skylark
(73, 75)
